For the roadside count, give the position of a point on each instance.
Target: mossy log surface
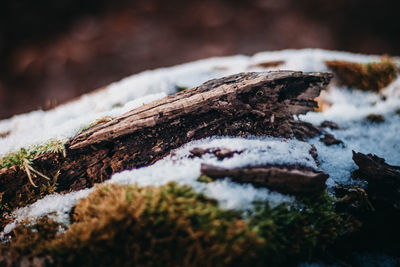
(238, 105)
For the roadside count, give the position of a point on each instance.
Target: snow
(309, 59)
(348, 108)
(382, 139)
(179, 167)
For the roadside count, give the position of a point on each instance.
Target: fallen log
(238, 105)
(284, 179)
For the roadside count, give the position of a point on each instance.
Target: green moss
(174, 226)
(204, 179)
(27, 155)
(24, 158)
(180, 88)
(301, 231)
(372, 76)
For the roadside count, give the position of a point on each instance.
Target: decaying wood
(284, 179)
(383, 180)
(238, 105)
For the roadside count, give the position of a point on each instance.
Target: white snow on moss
(349, 105)
(56, 206)
(309, 59)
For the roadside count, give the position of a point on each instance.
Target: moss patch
(370, 77)
(180, 88)
(172, 225)
(21, 162)
(24, 155)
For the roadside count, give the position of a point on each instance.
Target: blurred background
(52, 51)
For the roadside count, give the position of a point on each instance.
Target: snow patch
(57, 206)
(179, 167)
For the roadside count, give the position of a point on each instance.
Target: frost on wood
(238, 105)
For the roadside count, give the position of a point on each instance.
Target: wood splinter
(284, 179)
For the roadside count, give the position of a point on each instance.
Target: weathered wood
(267, 96)
(238, 105)
(284, 179)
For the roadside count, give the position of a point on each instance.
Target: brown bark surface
(238, 105)
(284, 179)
